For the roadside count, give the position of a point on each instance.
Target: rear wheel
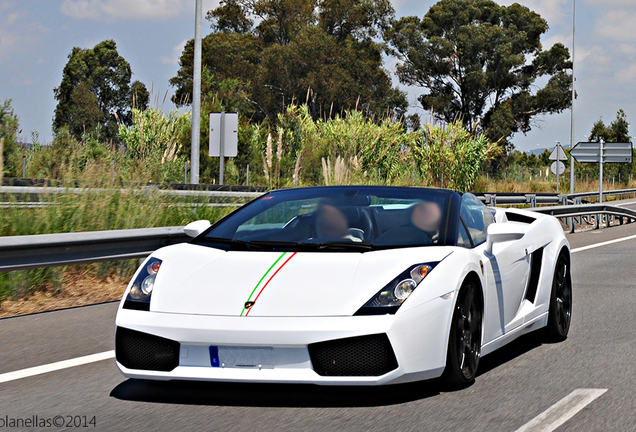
(560, 313)
(464, 345)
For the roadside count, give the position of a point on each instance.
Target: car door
(506, 270)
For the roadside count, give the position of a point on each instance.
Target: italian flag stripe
(261, 280)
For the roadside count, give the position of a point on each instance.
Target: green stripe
(263, 277)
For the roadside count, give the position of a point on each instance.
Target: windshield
(341, 218)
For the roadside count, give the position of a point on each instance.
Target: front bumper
(279, 350)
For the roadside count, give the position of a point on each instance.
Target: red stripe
(268, 281)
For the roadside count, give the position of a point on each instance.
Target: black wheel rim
(468, 327)
(563, 296)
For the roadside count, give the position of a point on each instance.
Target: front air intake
(137, 350)
(357, 356)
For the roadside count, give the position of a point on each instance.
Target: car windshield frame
(302, 219)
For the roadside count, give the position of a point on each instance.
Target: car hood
(202, 280)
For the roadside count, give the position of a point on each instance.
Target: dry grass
(79, 288)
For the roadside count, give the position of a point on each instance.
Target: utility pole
(196, 96)
(573, 97)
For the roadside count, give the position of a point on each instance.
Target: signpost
(196, 96)
(612, 152)
(223, 137)
(600, 153)
(557, 167)
(558, 155)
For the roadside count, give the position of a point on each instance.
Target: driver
(332, 223)
(427, 216)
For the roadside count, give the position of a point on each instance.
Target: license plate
(243, 357)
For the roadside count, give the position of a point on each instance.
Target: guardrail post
(532, 200)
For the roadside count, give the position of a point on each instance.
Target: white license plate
(243, 357)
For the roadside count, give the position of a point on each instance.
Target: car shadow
(272, 395)
(511, 351)
(307, 395)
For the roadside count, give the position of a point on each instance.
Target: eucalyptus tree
(96, 94)
(483, 64)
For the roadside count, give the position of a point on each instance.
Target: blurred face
(330, 222)
(427, 216)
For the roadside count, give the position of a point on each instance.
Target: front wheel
(560, 312)
(464, 345)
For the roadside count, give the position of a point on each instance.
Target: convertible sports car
(345, 285)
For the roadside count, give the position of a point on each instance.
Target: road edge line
(51, 367)
(605, 243)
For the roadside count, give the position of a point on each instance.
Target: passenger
(427, 216)
(332, 223)
(422, 227)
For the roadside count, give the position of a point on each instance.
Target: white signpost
(223, 137)
(558, 167)
(600, 153)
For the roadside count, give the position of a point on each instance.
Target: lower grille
(137, 350)
(357, 356)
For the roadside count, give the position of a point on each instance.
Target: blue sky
(37, 36)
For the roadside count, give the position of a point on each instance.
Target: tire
(560, 312)
(464, 343)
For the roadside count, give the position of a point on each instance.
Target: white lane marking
(64, 364)
(592, 246)
(562, 411)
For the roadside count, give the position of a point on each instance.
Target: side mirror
(503, 232)
(195, 228)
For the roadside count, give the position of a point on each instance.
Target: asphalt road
(514, 385)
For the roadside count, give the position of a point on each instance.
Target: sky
(36, 37)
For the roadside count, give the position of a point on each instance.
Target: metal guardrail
(492, 199)
(48, 250)
(32, 190)
(616, 193)
(599, 211)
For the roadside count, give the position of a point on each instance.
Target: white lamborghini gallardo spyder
(345, 285)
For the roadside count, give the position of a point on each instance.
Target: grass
(108, 209)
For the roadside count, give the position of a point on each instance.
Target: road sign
(558, 153)
(223, 137)
(229, 127)
(590, 152)
(557, 165)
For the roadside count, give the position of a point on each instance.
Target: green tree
(618, 132)
(9, 127)
(96, 92)
(323, 52)
(225, 56)
(479, 63)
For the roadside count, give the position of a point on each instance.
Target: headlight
(139, 296)
(391, 297)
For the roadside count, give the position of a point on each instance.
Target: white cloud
(627, 74)
(108, 10)
(173, 58)
(562, 38)
(617, 24)
(16, 35)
